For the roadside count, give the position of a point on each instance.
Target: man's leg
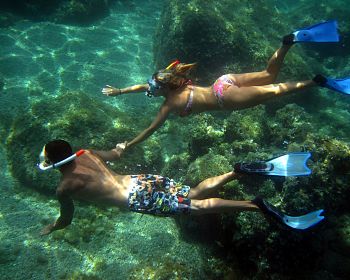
(208, 186)
(218, 205)
(268, 76)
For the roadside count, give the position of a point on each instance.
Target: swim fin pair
(298, 222)
(292, 164)
(323, 32)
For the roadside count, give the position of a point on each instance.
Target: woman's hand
(120, 148)
(111, 91)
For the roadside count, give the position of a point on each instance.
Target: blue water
(42, 59)
(52, 58)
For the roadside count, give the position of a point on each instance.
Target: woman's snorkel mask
(154, 84)
(153, 87)
(46, 164)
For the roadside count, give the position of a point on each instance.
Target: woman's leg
(245, 97)
(209, 185)
(265, 77)
(218, 205)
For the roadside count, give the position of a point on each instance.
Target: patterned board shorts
(154, 194)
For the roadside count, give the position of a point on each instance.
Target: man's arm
(66, 213)
(113, 154)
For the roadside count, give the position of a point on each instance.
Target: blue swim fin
(305, 221)
(321, 33)
(339, 85)
(299, 222)
(292, 164)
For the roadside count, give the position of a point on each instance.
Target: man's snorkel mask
(46, 164)
(154, 84)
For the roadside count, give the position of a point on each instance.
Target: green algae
(215, 37)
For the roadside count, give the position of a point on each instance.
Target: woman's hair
(174, 76)
(58, 150)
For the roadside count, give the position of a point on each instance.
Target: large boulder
(222, 37)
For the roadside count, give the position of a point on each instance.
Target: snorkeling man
(86, 176)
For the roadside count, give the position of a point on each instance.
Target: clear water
(42, 59)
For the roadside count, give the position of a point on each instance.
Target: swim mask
(153, 87)
(44, 161)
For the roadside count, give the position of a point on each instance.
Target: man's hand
(47, 230)
(111, 91)
(120, 147)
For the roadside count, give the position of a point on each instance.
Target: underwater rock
(338, 236)
(291, 124)
(167, 268)
(2, 84)
(331, 172)
(207, 132)
(176, 166)
(337, 264)
(31, 9)
(218, 39)
(8, 251)
(62, 11)
(152, 160)
(247, 125)
(205, 167)
(82, 12)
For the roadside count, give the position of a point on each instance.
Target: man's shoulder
(69, 185)
(90, 152)
(93, 154)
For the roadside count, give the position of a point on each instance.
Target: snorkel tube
(43, 167)
(173, 64)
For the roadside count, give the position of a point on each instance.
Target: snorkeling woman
(230, 91)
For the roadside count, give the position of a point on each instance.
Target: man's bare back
(90, 179)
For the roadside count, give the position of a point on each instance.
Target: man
(85, 176)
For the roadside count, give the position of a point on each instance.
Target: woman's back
(191, 99)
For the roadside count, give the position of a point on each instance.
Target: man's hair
(58, 150)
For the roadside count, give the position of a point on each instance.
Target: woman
(229, 92)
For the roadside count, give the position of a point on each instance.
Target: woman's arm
(158, 121)
(112, 91)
